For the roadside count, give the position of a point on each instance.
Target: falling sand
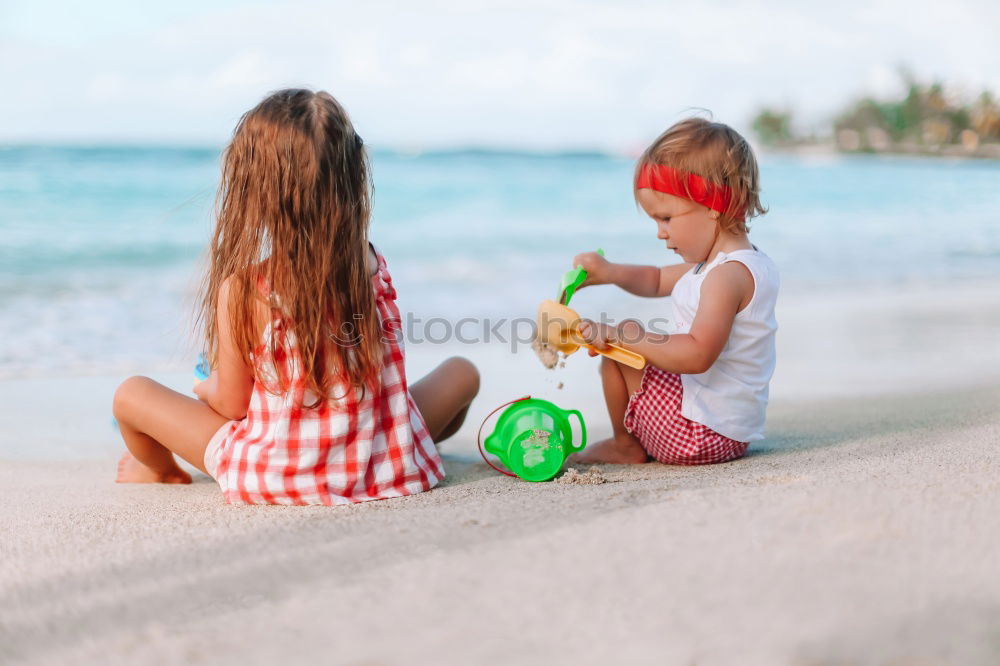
(547, 354)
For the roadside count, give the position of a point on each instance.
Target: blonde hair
(717, 153)
(292, 215)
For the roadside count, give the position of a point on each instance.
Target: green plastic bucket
(533, 438)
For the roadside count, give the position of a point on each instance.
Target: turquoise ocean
(102, 247)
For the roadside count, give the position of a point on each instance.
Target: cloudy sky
(439, 74)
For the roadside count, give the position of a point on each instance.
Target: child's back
(308, 401)
(367, 443)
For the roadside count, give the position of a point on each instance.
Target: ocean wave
(103, 244)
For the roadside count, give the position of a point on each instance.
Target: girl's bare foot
(624, 450)
(131, 470)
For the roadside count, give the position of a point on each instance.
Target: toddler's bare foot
(613, 451)
(131, 470)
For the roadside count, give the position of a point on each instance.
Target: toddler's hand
(601, 335)
(596, 335)
(597, 268)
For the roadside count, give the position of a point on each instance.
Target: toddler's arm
(725, 291)
(648, 281)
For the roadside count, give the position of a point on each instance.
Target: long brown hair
(718, 153)
(293, 211)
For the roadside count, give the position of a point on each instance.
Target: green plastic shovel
(571, 280)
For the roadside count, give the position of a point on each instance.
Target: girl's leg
(444, 395)
(452, 427)
(620, 382)
(156, 423)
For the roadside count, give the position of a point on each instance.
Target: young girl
(703, 393)
(308, 402)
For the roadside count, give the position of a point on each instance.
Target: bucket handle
(583, 428)
(479, 435)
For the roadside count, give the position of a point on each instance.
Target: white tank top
(731, 397)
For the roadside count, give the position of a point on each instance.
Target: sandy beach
(861, 531)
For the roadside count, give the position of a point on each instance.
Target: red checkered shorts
(654, 417)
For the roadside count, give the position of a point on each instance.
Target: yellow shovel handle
(622, 355)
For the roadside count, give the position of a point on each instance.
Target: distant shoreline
(989, 151)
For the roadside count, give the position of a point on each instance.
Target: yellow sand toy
(559, 327)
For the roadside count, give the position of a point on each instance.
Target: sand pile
(591, 477)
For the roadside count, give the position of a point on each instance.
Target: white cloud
(564, 73)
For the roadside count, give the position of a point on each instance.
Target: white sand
(863, 531)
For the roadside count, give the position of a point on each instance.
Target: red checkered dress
(365, 446)
(654, 416)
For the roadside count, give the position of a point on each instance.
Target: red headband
(689, 186)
